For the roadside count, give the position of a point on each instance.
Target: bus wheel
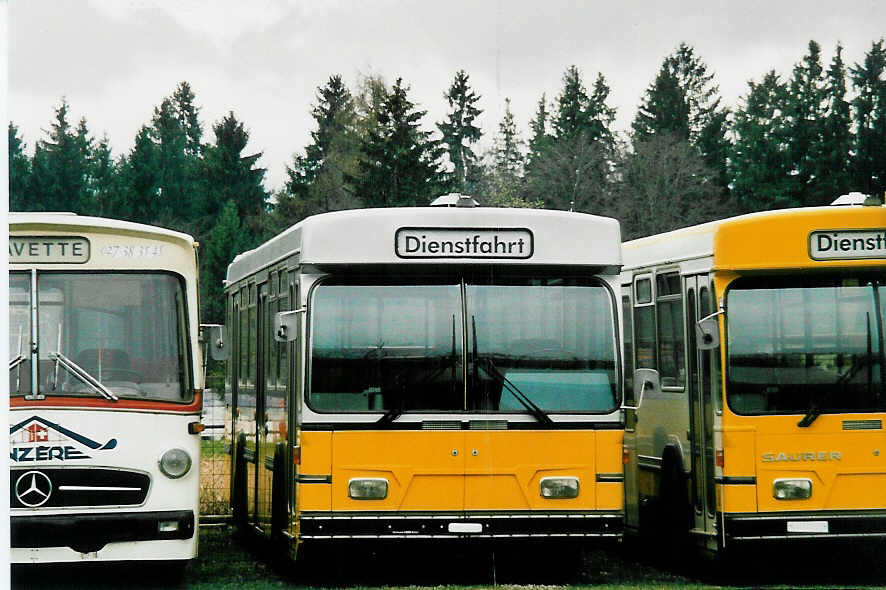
(238, 494)
(279, 508)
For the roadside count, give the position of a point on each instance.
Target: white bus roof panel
(441, 235)
(65, 221)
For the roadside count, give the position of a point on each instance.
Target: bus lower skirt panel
(365, 525)
(805, 525)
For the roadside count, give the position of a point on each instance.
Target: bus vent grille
(489, 424)
(441, 425)
(862, 424)
(70, 487)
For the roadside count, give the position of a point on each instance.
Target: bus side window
(644, 320)
(669, 305)
(628, 336)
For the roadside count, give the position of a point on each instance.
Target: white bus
(105, 391)
(428, 373)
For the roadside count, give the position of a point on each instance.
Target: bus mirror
(286, 326)
(707, 332)
(213, 335)
(644, 380)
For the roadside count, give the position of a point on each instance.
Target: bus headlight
(558, 487)
(175, 463)
(368, 488)
(792, 489)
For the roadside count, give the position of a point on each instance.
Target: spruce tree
(227, 238)
(140, 180)
(760, 163)
(459, 133)
(19, 172)
(805, 116)
(869, 105)
(59, 179)
(502, 185)
(572, 117)
(540, 139)
(400, 164)
(831, 161)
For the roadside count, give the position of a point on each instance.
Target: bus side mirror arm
(644, 380)
(214, 337)
(707, 331)
(286, 325)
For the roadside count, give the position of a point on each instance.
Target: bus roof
(441, 235)
(66, 221)
(761, 241)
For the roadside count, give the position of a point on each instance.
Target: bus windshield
(105, 334)
(806, 345)
(539, 345)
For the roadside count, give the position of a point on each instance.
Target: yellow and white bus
(756, 344)
(105, 391)
(428, 373)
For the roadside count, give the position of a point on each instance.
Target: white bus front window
(124, 330)
(552, 339)
(805, 345)
(19, 333)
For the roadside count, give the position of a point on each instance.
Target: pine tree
(400, 164)
(19, 172)
(869, 105)
(502, 185)
(760, 163)
(459, 133)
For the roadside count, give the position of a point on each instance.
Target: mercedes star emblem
(33, 489)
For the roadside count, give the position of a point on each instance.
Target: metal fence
(215, 448)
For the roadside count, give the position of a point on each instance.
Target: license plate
(807, 526)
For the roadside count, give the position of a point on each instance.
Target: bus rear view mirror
(213, 335)
(707, 332)
(644, 380)
(286, 326)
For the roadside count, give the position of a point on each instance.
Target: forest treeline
(792, 141)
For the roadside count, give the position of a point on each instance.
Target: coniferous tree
(760, 163)
(869, 105)
(805, 116)
(460, 132)
(59, 178)
(502, 186)
(831, 164)
(233, 177)
(187, 114)
(538, 126)
(102, 180)
(227, 238)
(600, 115)
(19, 172)
(572, 115)
(319, 180)
(175, 202)
(140, 180)
(400, 164)
(683, 102)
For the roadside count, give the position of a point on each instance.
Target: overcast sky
(115, 60)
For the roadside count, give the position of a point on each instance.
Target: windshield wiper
(16, 361)
(82, 374)
(536, 411)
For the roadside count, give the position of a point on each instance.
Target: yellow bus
(104, 391)
(428, 373)
(755, 350)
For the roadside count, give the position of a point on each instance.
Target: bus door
(701, 427)
(263, 458)
(632, 512)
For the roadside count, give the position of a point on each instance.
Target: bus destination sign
(439, 242)
(847, 244)
(48, 249)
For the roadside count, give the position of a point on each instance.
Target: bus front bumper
(774, 526)
(87, 533)
(437, 525)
